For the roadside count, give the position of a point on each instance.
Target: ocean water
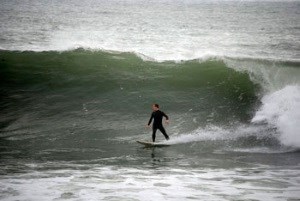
(78, 78)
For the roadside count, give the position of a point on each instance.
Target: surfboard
(151, 144)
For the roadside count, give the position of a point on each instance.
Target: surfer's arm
(150, 120)
(167, 117)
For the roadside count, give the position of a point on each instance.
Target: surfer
(158, 115)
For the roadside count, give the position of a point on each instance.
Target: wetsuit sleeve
(150, 120)
(165, 116)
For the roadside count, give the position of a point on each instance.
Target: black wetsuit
(157, 123)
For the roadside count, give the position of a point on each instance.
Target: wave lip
(159, 55)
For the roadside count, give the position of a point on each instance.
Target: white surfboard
(151, 144)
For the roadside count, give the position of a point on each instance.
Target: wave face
(230, 99)
(125, 84)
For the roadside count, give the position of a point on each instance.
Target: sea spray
(281, 109)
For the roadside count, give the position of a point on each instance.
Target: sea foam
(281, 109)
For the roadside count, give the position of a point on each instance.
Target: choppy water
(77, 80)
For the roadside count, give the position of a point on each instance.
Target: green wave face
(60, 83)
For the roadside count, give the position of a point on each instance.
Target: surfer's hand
(167, 121)
(147, 126)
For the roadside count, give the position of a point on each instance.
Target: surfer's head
(155, 107)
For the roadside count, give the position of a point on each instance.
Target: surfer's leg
(163, 131)
(153, 134)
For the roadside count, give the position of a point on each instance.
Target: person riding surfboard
(157, 117)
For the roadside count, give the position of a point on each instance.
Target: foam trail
(215, 133)
(281, 109)
(201, 134)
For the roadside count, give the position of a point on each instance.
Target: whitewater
(77, 80)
